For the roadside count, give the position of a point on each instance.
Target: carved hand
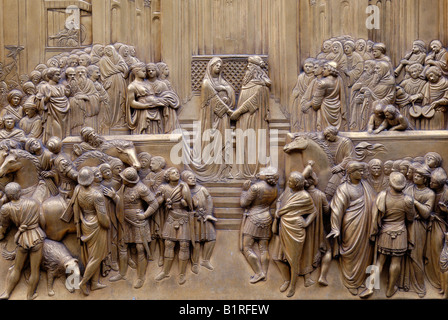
(333, 233)
(246, 185)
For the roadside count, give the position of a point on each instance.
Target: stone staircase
(226, 195)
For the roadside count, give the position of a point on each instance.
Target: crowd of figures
(89, 87)
(352, 85)
(120, 211)
(370, 214)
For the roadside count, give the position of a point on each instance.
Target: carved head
(349, 47)
(106, 171)
(54, 145)
(172, 175)
(375, 167)
(145, 159)
(355, 170)
(152, 70)
(157, 163)
(188, 177)
(308, 66)
(436, 46)
(9, 122)
(397, 181)
(86, 177)
(378, 50)
(422, 174)
(438, 179)
(331, 133)
(434, 74)
(15, 97)
(296, 181)
(13, 191)
(433, 160)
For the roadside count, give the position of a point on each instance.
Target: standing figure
(436, 229)
(329, 98)
(143, 112)
(342, 151)
(308, 116)
(252, 113)
(153, 181)
(392, 210)
(413, 275)
(175, 195)
(114, 72)
(25, 215)
(295, 211)
(88, 209)
(171, 101)
(351, 222)
(217, 104)
(317, 247)
(303, 81)
(55, 106)
(94, 74)
(257, 199)
(205, 234)
(137, 204)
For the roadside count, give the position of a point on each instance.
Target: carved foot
(182, 279)
(322, 281)
(195, 268)
(162, 275)
(4, 296)
(51, 292)
(366, 293)
(258, 277)
(117, 277)
(391, 291)
(309, 282)
(206, 264)
(284, 286)
(291, 292)
(97, 286)
(84, 290)
(139, 283)
(32, 297)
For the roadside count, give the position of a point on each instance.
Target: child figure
(376, 119)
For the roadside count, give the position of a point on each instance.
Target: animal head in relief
(123, 150)
(299, 143)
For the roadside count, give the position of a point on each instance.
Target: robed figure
(217, 103)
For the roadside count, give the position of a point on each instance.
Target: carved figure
(25, 215)
(143, 108)
(303, 81)
(257, 199)
(205, 234)
(217, 104)
(137, 205)
(351, 221)
(412, 278)
(392, 210)
(88, 209)
(252, 112)
(296, 211)
(175, 195)
(55, 105)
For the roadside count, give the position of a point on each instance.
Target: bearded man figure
(252, 113)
